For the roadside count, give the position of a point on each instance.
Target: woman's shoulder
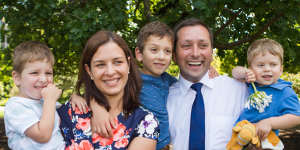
(141, 111)
(140, 114)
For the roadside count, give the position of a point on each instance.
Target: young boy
(265, 58)
(154, 50)
(31, 121)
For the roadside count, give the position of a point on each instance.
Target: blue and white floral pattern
(77, 132)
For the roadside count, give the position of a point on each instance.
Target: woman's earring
(92, 78)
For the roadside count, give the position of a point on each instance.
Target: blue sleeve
(290, 105)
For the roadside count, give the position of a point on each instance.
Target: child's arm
(41, 132)
(263, 127)
(79, 102)
(243, 74)
(101, 121)
(139, 143)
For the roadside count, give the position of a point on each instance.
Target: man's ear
(16, 77)
(87, 69)
(138, 54)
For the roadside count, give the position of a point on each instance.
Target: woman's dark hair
(133, 85)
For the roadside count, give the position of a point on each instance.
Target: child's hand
(212, 72)
(102, 122)
(79, 102)
(250, 76)
(243, 74)
(51, 92)
(263, 129)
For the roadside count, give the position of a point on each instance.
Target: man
(223, 97)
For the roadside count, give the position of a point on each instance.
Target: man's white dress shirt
(224, 100)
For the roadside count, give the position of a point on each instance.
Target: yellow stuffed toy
(245, 132)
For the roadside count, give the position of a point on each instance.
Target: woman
(109, 76)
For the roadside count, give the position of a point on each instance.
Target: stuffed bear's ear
(237, 128)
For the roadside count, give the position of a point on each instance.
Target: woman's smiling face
(109, 69)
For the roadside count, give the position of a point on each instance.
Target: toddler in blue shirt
(265, 58)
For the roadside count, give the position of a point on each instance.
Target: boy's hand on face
(263, 129)
(51, 92)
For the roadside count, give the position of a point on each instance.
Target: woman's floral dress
(77, 133)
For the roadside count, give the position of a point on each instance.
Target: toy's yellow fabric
(245, 132)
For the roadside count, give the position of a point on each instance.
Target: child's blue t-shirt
(153, 97)
(284, 101)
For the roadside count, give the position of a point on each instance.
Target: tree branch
(232, 18)
(147, 9)
(249, 38)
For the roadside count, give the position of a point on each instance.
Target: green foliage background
(65, 26)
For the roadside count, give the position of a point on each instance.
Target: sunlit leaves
(65, 25)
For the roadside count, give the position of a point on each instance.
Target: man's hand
(212, 72)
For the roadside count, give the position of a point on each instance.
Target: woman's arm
(141, 143)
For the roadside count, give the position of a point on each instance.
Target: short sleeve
(148, 127)
(19, 116)
(66, 125)
(290, 105)
(74, 124)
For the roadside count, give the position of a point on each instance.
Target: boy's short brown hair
(155, 28)
(31, 51)
(263, 46)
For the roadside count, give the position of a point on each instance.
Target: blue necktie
(197, 126)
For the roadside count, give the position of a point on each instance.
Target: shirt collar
(280, 84)
(185, 85)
